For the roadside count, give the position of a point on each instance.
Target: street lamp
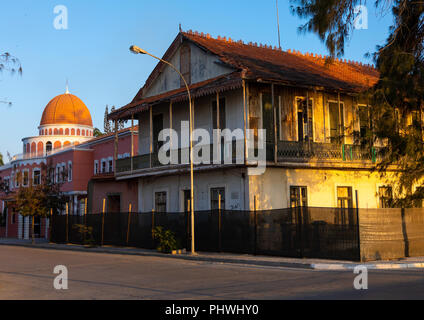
(137, 50)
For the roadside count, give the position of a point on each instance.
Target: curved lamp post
(137, 50)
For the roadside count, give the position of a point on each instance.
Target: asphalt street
(27, 273)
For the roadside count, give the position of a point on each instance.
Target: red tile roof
(257, 62)
(267, 63)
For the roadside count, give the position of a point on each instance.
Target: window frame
(342, 104)
(155, 193)
(33, 176)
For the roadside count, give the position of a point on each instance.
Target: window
(96, 167)
(110, 165)
(304, 119)
(160, 201)
(186, 200)
(49, 147)
(222, 119)
(364, 120)
(51, 175)
(336, 122)
(7, 183)
(298, 196)
(344, 197)
(36, 177)
(62, 171)
(17, 182)
(215, 193)
(70, 171)
(385, 196)
(103, 166)
(25, 180)
(345, 214)
(185, 64)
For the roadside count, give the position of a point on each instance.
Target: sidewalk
(316, 264)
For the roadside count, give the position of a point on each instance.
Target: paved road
(27, 273)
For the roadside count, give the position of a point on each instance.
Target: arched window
(83, 133)
(61, 131)
(67, 132)
(55, 131)
(72, 132)
(50, 132)
(66, 143)
(78, 132)
(40, 148)
(57, 145)
(27, 148)
(33, 148)
(49, 146)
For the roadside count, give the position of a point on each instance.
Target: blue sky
(93, 53)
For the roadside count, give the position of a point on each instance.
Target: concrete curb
(203, 258)
(371, 266)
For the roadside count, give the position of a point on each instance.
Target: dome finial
(67, 87)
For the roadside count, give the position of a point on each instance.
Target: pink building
(66, 144)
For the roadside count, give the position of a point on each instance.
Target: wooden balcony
(304, 151)
(288, 152)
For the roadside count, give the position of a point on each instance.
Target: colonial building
(65, 144)
(311, 110)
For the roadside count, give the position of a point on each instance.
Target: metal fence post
(67, 223)
(219, 224)
(256, 225)
(358, 225)
(153, 227)
(188, 225)
(103, 221)
(85, 219)
(300, 213)
(129, 222)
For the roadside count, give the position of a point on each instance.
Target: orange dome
(66, 109)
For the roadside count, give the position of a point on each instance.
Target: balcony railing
(301, 151)
(288, 151)
(149, 161)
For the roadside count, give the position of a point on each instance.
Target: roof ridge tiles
(275, 48)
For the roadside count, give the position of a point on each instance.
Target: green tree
(43, 199)
(1, 160)
(106, 125)
(97, 133)
(398, 98)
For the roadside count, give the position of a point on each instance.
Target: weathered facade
(311, 110)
